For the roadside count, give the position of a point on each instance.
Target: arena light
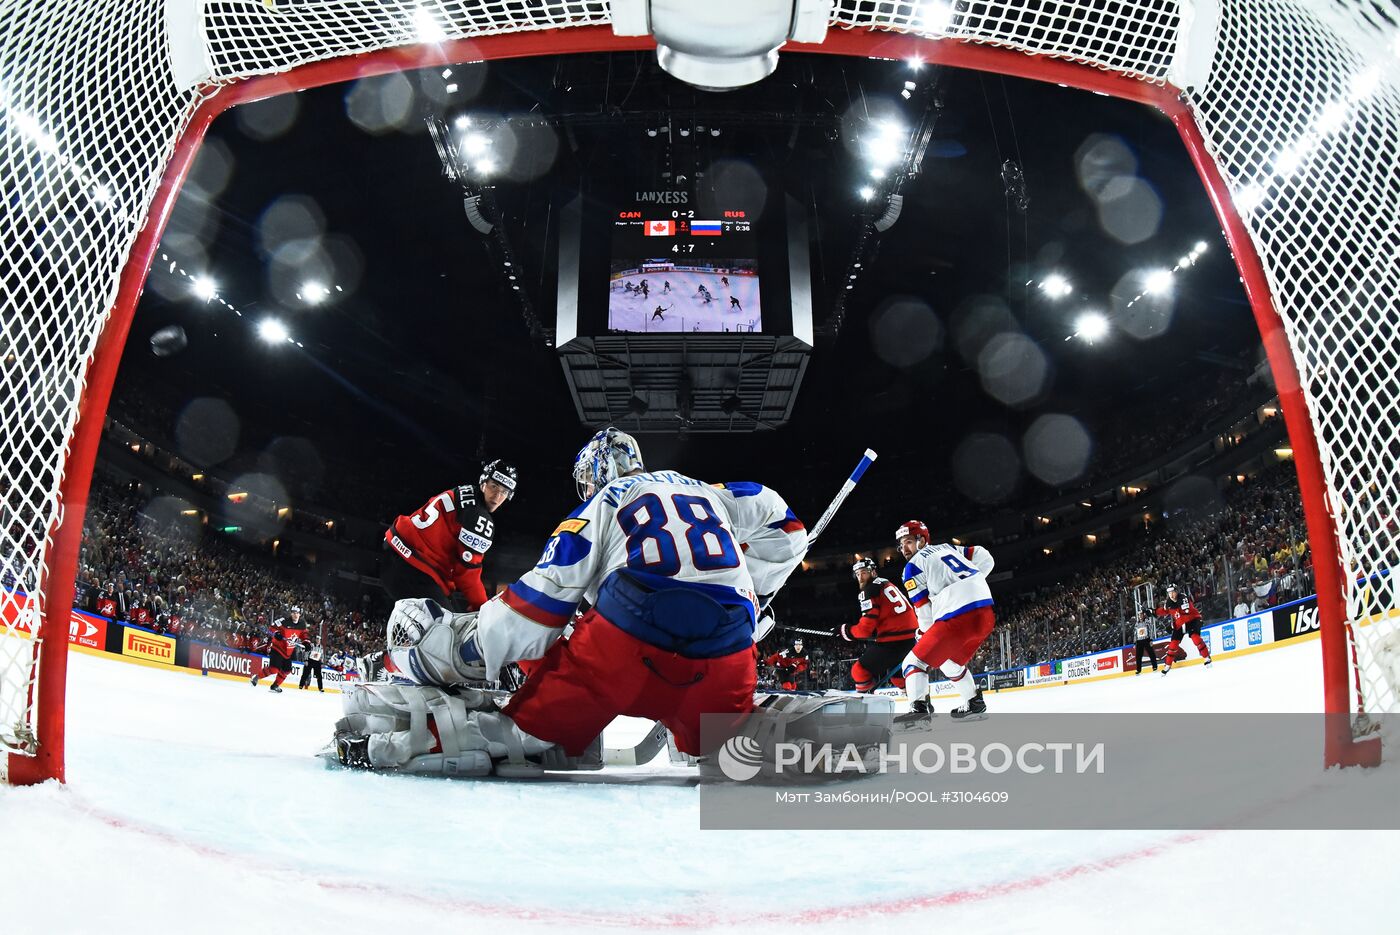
(867, 193)
(462, 122)
(886, 147)
(1091, 327)
(1199, 248)
(935, 16)
(426, 25)
(474, 144)
(915, 63)
(273, 331)
(313, 293)
(451, 88)
(205, 288)
(1158, 282)
(1056, 286)
(446, 73)
(485, 167)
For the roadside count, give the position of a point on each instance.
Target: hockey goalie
(673, 572)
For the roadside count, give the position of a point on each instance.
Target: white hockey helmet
(608, 455)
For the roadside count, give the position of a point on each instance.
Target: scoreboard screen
(680, 270)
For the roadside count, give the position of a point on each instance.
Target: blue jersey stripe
(986, 602)
(549, 605)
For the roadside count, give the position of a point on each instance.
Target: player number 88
(644, 520)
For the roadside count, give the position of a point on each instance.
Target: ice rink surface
(684, 309)
(196, 805)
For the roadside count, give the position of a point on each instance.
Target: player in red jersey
(285, 633)
(886, 618)
(440, 548)
(790, 664)
(1185, 618)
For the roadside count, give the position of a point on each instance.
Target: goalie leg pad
(420, 729)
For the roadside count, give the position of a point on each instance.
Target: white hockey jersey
(664, 528)
(945, 580)
(772, 537)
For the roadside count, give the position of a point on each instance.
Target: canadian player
(439, 550)
(1185, 619)
(669, 634)
(947, 585)
(789, 664)
(888, 621)
(285, 633)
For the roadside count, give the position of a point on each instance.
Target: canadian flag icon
(661, 228)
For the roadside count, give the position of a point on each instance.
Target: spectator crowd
(176, 579)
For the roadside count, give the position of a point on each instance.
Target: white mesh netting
(1300, 111)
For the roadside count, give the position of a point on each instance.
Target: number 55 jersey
(661, 556)
(447, 540)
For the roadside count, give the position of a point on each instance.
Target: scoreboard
(681, 270)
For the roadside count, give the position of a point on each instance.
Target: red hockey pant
(956, 638)
(601, 672)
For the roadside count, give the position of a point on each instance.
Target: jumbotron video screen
(674, 271)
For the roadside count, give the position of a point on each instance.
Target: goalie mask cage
(1289, 110)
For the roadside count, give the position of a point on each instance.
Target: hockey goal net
(1289, 108)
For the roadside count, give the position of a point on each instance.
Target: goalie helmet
(867, 564)
(502, 473)
(911, 528)
(610, 454)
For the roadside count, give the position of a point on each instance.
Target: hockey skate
(275, 688)
(920, 717)
(254, 681)
(974, 710)
(1209, 660)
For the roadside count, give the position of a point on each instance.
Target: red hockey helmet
(911, 528)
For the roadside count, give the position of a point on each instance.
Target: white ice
(195, 804)
(684, 309)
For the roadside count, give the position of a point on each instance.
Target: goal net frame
(1163, 54)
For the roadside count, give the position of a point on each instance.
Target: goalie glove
(429, 645)
(767, 620)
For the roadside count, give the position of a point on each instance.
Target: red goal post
(102, 120)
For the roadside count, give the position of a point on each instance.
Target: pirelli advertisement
(148, 646)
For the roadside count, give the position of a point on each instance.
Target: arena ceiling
(421, 354)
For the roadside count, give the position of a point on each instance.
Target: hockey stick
(866, 460)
